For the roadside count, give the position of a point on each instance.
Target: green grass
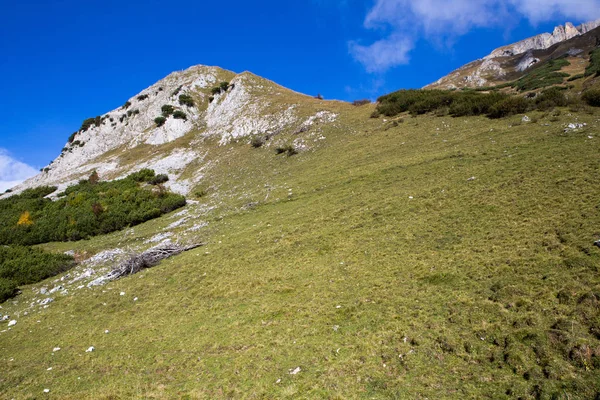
(484, 288)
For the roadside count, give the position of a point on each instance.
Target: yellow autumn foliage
(25, 219)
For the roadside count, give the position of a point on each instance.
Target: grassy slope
(461, 281)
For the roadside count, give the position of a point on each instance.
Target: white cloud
(13, 172)
(380, 55)
(440, 20)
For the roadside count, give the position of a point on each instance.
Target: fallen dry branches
(138, 262)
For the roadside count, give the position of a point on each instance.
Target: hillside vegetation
(423, 257)
(89, 208)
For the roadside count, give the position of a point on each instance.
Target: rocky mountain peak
(199, 103)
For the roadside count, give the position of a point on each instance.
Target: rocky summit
(197, 104)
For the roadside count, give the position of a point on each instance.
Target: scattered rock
(49, 369)
(56, 289)
(46, 390)
(574, 126)
(107, 331)
(90, 349)
(6, 317)
(526, 119)
(56, 349)
(122, 294)
(44, 290)
(12, 323)
(135, 299)
(597, 243)
(47, 300)
(471, 179)
(295, 371)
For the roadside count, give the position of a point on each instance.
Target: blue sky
(66, 60)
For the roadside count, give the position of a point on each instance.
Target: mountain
(198, 112)
(509, 63)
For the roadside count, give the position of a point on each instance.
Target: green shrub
(86, 124)
(288, 148)
(8, 289)
(223, 87)
(594, 67)
(186, 100)
(550, 98)
(257, 142)
(543, 76)
(160, 121)
(509, 106)
(126, 105)
(176, 91)
(575, 77)
(142, 97)
(592, 97)
(143, 175)
(158, 179)
(30, 218)
(167, 110)
(26, 265)
(179, 115)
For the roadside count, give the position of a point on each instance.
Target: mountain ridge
(503, 63)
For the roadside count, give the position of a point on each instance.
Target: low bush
(158, 179)
(550, 98)
(509, 106)
(167, 110)
(543, 76)
(186, 100)
(594, 67)
(142, 97)
(143, 175)
(126, 105)
(575, 77)
(223, 87)
(30, 218)
(179, 115)
(176, 91)
(592, 97)
(257, 142)
(362, 102)
(288, 148)
(21, 265)
(160, 121)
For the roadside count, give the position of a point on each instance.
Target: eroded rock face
(545, 40)
(481, 72)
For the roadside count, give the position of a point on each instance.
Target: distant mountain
(511, 62)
